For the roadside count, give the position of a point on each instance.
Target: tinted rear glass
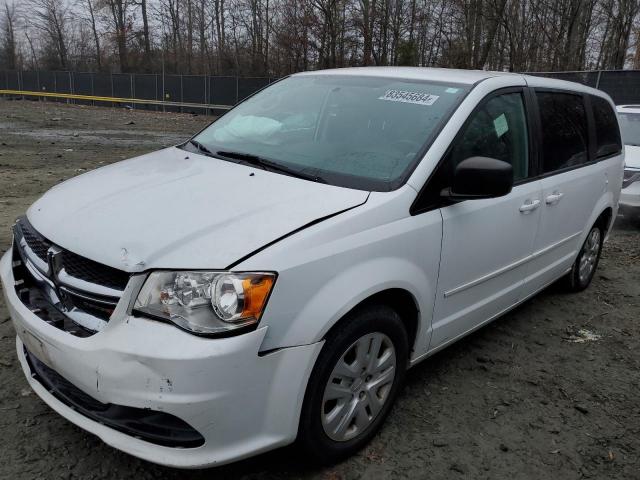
(564, 130)
(607, 131)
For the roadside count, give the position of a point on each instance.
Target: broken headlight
(205, 303)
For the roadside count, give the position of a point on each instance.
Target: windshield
(359, 132)
(630, 128)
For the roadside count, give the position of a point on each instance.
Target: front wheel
(354, 383)
(584, 268)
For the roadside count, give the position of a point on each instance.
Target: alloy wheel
(589, 255)
(358, 386)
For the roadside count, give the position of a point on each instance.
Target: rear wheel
(584, 268)
(354, 383)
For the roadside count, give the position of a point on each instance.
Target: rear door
(486, 243)
(572, 182)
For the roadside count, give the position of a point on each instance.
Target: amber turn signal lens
(256, 292)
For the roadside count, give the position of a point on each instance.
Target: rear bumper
(240, 402)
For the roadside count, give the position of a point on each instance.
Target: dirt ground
(524, 397)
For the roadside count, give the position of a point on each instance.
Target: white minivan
(272, 279)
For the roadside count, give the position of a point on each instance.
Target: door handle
(529, 206)
(553, 198)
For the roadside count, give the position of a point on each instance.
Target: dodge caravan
(272, 279)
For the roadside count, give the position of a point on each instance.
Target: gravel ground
(525, 397)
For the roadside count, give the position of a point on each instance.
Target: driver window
(497, 130)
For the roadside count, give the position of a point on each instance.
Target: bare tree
(145, 33)
(118, 13)
(51, 19)
(94, 30)
(277, 37)
(620, 15)
(366, 22)
(636, 56)
(9, 47)
(220, 31)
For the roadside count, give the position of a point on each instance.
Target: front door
(486, 244)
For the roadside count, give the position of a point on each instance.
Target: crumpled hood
(632, 156)
(176, 209)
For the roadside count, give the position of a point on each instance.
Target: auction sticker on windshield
(409, 97)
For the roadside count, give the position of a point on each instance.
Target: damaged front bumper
(170, 397)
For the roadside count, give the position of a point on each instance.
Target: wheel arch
(603, 215)
(605, 219)
(393, 280)
(400, 300)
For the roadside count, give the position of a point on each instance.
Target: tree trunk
(220, 31)
(119, 21)
(636, 57)
(10, 50)
(145, 34)
(94, 30)
(368, 20)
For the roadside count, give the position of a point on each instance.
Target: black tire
(371, 319)
(573, 281)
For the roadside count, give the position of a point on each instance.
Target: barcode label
(409, 97)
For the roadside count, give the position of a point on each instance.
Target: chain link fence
(189, 93)
(160, 92)
(622, 85)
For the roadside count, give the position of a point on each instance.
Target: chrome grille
(74, 265)
(37, 243)
(78, 291)
(93, 272)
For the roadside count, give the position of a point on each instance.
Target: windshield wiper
(269, 165)
(201, 147)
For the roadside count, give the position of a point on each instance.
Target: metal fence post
(132, 91)
(211, 89)
(181, 92)
(237, 88)
(598, 79)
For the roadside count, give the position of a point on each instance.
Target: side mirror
(480, 177)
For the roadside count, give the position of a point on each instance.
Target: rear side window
(564, 130)
(607, 132)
